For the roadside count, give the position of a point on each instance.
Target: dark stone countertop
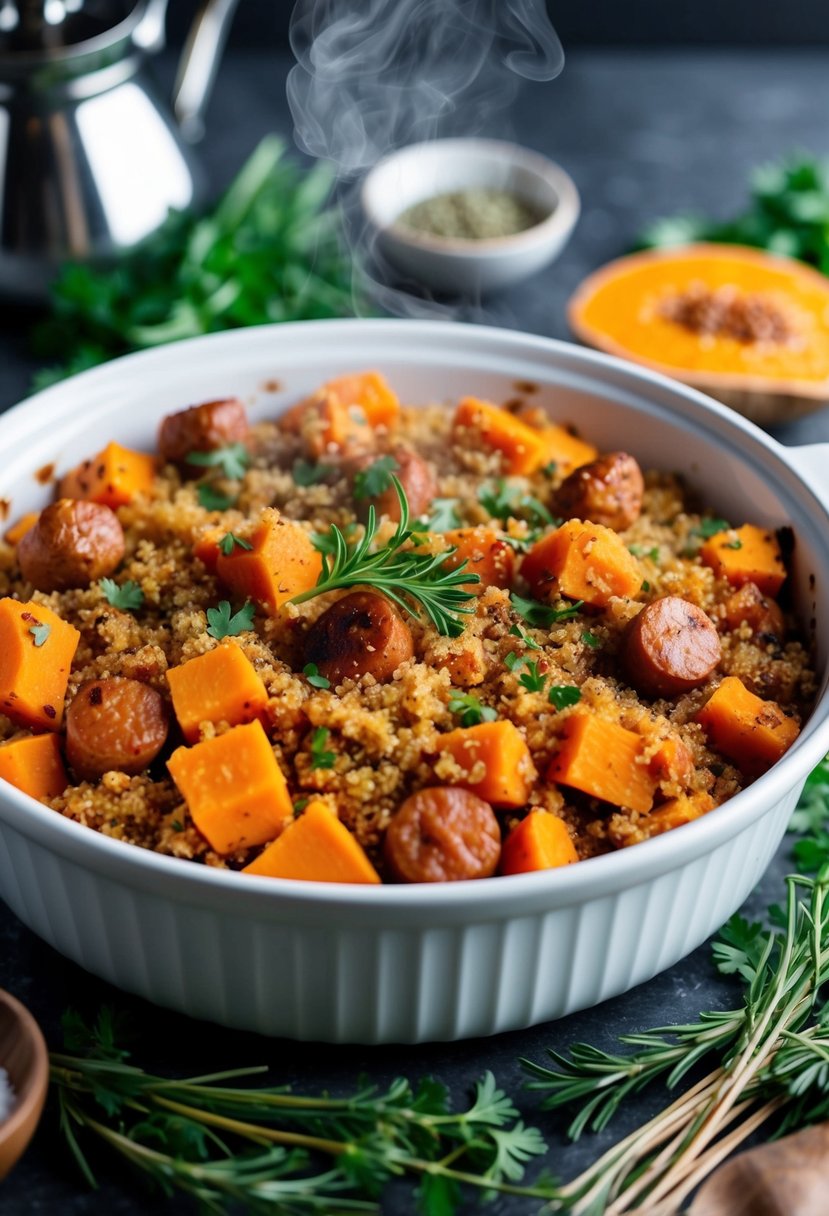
(643, 135)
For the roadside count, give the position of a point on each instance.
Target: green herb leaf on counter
(320, 758)
(469, 709)
(376, 479)
(212, 499)
(444, 517)
(40, 633)
(268, 251)
(128, 597)
(223, 623)
(541, 616)
(563, 695)
(232, 460)
(312, 675)
(308, 473)
(231, 541)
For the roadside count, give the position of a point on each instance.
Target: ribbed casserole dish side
(407, 964)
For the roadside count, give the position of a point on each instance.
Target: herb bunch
(416, 582)
(269, 251)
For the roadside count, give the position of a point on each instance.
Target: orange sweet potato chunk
(34, 667)
(370, 392)
(603, 759)
(206, 548)
(316, 847)
(582, 561)
(672, 761)
(565, 451)
(220, 686)
(281, 564)
(522, 448)
(485, 554)
(234, 789)
(752, 732)
(746, 555)
(114, 477)
(34, 765)
(18, 530)
(676, 812)
(500, 750)
(539, 842)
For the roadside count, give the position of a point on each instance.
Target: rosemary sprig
(414, 581)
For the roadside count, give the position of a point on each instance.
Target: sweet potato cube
(369, 391)
(114, 477)
(327, 425)
(565, 451)
(485, 554)
(752, 732)
(206, 548)
(676, 812)
(604, 760)
(582, 561)
(281, 564)
(34, 765)
(18, 530)
(521, 447)
(220, 686)
(233, 787)
(539, 842)
(495, 759)
(316, 847)
(672, 762)
(36, 653)
(746, 555)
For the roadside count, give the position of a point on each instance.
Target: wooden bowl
(25, 1058)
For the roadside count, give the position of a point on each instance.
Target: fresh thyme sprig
(414, 581)
(312, 1153)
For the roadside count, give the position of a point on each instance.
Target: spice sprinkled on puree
(370, 643)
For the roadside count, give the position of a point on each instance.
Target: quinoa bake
(373, 642)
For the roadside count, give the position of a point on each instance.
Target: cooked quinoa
(385, 736)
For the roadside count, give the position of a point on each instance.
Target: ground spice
(725, 313)
(472, 215)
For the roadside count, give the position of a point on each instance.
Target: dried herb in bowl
(472, 215)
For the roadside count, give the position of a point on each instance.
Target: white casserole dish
(418, 963)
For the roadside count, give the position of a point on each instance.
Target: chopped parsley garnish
(641, 551)
(645, 586)
(232, 460)
(518, 632)
(733, 544)
(223, 623)
(212, 500)
(128, 597)
(549, 469)
(326, 542)
(40, 633)
(531, 679)
(300, 805)
(320, 758)
(376, 479)
(512, 660)
(707, 528)
(505, 502)
(562, 695)
(590, 639)
(177, 825)
(542, 615)
(444, 517)
(312, 675)
(307, 473)
(469, 709)
(230, 541)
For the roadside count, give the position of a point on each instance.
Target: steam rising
(373, 75)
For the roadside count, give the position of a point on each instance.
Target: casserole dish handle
(811, 460)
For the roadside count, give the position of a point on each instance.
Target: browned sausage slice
(361, 634)
(670, 647)
(443, 835)
(762, 614)
(115, 724)
(202, 428)
(72, 544)
(413, 473)
(607, 491)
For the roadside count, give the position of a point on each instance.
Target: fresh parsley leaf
(518, 632)
(320, 758)
(376, 479)
(128, 597)
(532, 679)
(308, 473)
(325, 542)
(590, 639)
(706, 528)
(512, 660)
(645, 586)
(312, 675)
(223, 623)
(504, 502)
(211, 499)
(549, 469)
(540, 616)
(40, 633)
(177, 825)
(469, 709)
(230, 541)
(733, 544)
(641, 551)
(562, 695)
(444, 517)
(232, 460)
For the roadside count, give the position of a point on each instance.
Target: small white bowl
(455, 265)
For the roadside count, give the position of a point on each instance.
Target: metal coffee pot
(91, 158)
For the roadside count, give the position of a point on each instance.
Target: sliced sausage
(670, 647)
(202, 428)
(414, 475)
(443, 835)
(72, 544)
(114, 724)
(362, 634)
(762, 614)
(607, 491)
